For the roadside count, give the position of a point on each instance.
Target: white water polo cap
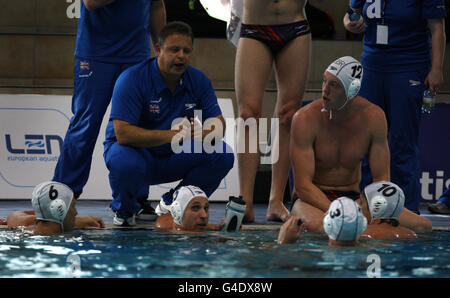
(181, 199)
(51, 201)
(385, 200)
(349, 71)
(344, 220)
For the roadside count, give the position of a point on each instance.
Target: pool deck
(217, 210)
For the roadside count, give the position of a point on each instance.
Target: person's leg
(292, 65)
(93, 86)
(143, 192)
(311, 216)
(372, 87)
(405, 99)
(128, 174)
(204, 170)
(414, 221)
(252, 71)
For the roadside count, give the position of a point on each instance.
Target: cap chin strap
(324, 110)
(59, 210)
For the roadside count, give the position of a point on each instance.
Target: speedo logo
(414, 83)
(34, 144)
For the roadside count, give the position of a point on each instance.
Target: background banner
(435, 152)
(32, 130)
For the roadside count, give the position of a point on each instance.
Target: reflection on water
(147, 253)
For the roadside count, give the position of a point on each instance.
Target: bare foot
(249, 215)
(277, 212)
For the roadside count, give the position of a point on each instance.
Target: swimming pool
(249, 254)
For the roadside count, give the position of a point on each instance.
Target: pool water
(248, 254)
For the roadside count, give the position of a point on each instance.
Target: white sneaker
(129, 222)
(162, 208)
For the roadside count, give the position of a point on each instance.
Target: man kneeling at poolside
(189, 212)
(153, 109)
(53, 211)
(330, 138)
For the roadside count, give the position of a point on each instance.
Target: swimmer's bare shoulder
(307, 119)
(385, 229)
(377, 231)
(164, 222)
(372, 113)
(21, 218)
(403, 232)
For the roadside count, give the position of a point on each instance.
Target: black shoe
(439, 208)
(147, 212)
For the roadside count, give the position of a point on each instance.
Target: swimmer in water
(189, 212)
(53, 212)
(343, 223)
(382, 203)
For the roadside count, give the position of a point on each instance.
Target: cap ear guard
(333, 220)
(377, 206)
(328, 225)
(175, 209)
(353, 88)
(58, 209)
(362, 222)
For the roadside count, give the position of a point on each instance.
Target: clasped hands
(192, 128)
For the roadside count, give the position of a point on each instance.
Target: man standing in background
(273, 32)
(112, 36)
